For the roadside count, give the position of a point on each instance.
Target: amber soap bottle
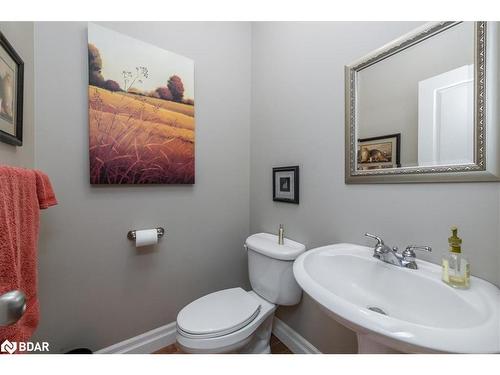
(456, 269)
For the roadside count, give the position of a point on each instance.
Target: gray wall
(298, 118)
(20, 36)
(95, 288)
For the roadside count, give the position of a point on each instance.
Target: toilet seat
(218, 314)
(190, 343)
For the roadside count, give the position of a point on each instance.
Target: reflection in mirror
(416, 107)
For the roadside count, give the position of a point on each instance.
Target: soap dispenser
(456, 269)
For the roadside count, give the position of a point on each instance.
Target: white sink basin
(422, 313)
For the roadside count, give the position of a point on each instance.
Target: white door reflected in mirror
(446, 118)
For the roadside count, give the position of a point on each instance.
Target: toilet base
(259, 343)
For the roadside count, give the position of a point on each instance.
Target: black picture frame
(290, 183)
(15, 139)
(388, 137)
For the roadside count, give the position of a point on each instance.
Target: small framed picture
(11, 94)
(379, 152)
(286, 184)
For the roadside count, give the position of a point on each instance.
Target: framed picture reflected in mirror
(379, 152)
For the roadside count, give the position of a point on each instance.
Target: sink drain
(377, 310)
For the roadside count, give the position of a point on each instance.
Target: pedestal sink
(395, 309)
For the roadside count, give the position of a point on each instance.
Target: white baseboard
(295, 342)
(160, 337)
(145, 343)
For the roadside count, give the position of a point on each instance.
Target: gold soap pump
(281, 235)
(456, 269)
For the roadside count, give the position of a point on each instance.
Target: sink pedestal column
(366, 345)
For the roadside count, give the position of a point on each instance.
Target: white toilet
(234, 320)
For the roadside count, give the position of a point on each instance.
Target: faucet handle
(409, 251)
(380, 242)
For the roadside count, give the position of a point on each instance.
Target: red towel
(44, 191)
(23, 193)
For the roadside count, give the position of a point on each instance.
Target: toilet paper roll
(146, 237)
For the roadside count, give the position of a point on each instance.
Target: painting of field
(141, 112)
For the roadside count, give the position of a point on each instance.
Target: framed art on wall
(286, 184)
(141, 111)
(11, 94)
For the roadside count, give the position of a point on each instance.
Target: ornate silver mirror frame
(486, 166)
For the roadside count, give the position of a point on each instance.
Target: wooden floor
(277, 347)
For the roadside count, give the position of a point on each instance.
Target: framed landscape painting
(11, 94)
(141, 112)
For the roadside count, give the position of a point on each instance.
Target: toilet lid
(218, 313)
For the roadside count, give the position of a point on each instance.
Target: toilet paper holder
(160, 232)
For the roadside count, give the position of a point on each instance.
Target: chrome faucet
(386, 254)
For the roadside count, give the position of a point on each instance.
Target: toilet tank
(270, 267)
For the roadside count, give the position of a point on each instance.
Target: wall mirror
(417, 108)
